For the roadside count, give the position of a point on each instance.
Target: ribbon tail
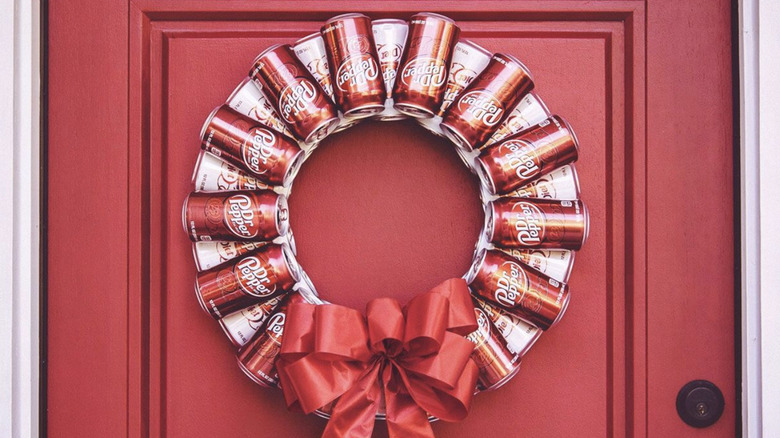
(405, 418)
(355, 411)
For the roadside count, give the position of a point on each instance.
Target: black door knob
(700, 403)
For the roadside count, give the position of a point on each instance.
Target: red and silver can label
(518, 334)
(390, 38)
(255, 148)
(209, 255)
(241, 326)
(250, 101)
(497, 364)
(555, 263)
(561, 183)
(269, 271)
(525, 293)
(478, 110)
(524, 157)
(359, 87)
(297, 96)
(257, 359)
(537, 223)
(311, 51)
(239, 215)
(214, 175)
(529, 112)
(422, 78)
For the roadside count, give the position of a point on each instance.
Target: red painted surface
(386, 209)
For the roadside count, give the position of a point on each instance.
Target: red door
(386, 209)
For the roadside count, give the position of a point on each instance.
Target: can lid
(184, 216)
(586, 218)
(490, 220)
(435, 15)
(323, 130)
(343, 16)
(292, 170)
(476, 265)
(570, 267)
(518, 62)
(484, 175)
(282, 215)
(389, 21)
(238, 89)
(564, 306)
(197, 168)
(208, 120)
(291, 242)
(476, 46)
(455, 136)
(267, 49)
(573, 134)
(291, 263)
(308, 37)
(576, 178)
(541, 103)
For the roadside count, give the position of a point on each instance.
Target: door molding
(20, 82)
(759, 44)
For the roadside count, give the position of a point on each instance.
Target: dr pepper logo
(428, 72)
(275, 327)
(482, 333)
(356, 70)
(520, 156)
(511, 284)
(482, 106)
(528, 223)
(258, 149)
(296, 99)
(241, 216)
(255, 278)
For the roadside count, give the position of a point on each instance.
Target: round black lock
(700, 403)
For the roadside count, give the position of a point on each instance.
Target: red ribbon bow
(416, 357)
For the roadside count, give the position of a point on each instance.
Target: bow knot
(415, 359)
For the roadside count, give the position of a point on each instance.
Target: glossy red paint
(646, 86)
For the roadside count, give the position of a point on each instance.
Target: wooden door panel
(608, 369)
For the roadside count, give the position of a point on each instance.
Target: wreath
(422, 361)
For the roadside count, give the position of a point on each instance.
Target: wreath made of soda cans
(356, 69)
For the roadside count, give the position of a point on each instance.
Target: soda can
(254, 148)
(524, 157)
(250, 101)
(523, 292)
(468, 61)
(419, 89)
(208, 255)
(241, 326)
(211, 174)
(245, 215)
(265, 273)
(555, 263)
(257, 359)
(530, 223)
(359, 87)
(496, 363)
(561, 183)
(390, 38)
(480, 108)
(297, 96)
(310, 50)
(529, 112)
(518, 334)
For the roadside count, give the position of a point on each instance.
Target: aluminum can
(250, 101)
(269, 156)
(480, 108)
(496, 363)
(555, 263)
(297, 96)
(211, 174)
(245, 215)
(311, 52)
(359, 87)
(257, 359)
(241, 326)
(561, 183)
(524, 157)
(518, 334)
(419, 87)
(268, 272)
(523, 292)
(390, 38)
(530, 223)
(529, 112)
(208, 255)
